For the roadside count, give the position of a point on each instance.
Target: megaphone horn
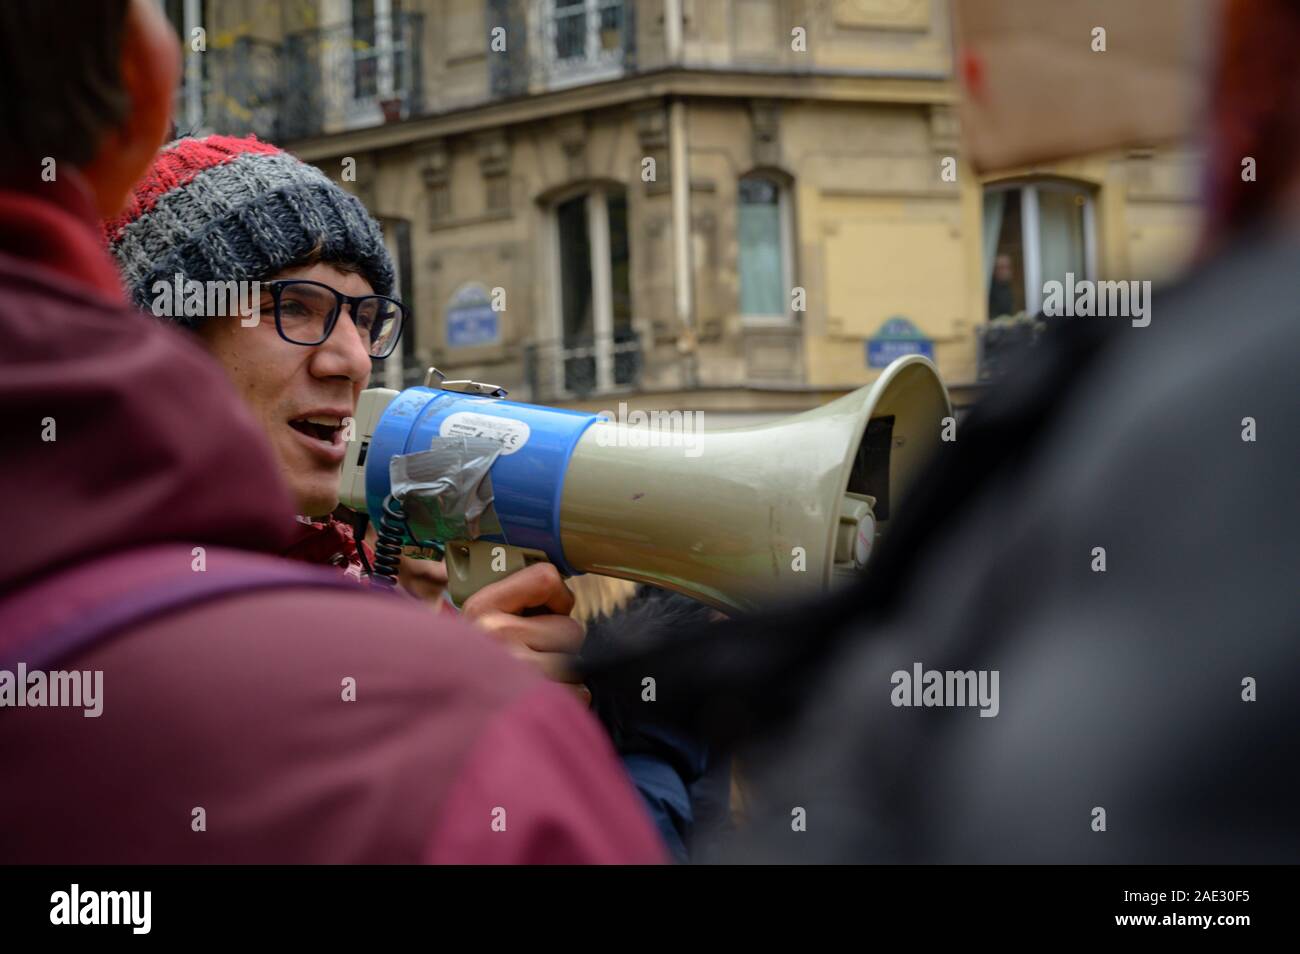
(753, 512)
(733, 517)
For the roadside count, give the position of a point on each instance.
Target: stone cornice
(863, 86)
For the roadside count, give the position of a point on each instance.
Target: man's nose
(345, 352)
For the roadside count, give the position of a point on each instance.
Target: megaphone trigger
(474, 564)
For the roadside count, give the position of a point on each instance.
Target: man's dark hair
(60, 69)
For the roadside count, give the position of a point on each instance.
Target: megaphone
(734, 518)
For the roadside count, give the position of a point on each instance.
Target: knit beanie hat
(222, 209)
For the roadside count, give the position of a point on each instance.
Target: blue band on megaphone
(528, 477)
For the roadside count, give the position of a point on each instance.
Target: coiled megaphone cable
(391, 535)
(388, 546)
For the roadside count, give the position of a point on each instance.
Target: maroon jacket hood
(151, 442)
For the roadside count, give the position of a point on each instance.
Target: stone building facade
(738, 206)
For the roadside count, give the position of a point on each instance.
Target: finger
(429, 571)
(550, 633)
(557, 667)
(433, 571)
(539, 585)
(423, 579)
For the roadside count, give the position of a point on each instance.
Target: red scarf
(329, 542)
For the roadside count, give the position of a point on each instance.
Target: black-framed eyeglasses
(306, 312)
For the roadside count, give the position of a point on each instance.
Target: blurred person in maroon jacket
(257, 710)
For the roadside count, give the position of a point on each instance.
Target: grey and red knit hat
(223, 209)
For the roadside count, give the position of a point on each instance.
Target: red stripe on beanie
(175, 167)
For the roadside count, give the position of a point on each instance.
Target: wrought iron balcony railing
(566, 43)
(369, 71)
(1005, 342)
(316, 81)
(577, 367)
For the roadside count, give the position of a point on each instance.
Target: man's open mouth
(321, 427)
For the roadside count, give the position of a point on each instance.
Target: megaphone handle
(473, 564)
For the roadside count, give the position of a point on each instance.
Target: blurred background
(794, 233)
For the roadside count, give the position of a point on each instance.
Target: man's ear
(150, 71)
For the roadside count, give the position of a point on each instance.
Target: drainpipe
(191, 17)
(683, 266)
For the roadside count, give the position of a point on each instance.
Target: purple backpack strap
(68, 612)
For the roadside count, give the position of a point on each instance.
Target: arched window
(597, 348)
(763, 226)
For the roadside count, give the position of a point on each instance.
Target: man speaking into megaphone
(517, 496)
(298, 342)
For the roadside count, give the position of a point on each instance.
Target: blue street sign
(470, 318)
(897, 337)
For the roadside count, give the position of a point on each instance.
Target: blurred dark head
(88, 84)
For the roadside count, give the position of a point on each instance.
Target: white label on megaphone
(509, 433)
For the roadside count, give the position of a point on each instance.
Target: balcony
(580, 367)
(568, 43)
(585, 40)
(1004, 343)
(315, 81)
(367, 72)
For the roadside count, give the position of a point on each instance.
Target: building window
(585, 39)
(1035, 232)
(376, 47)
(379, 62)
(764, 240)
(596, 348)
